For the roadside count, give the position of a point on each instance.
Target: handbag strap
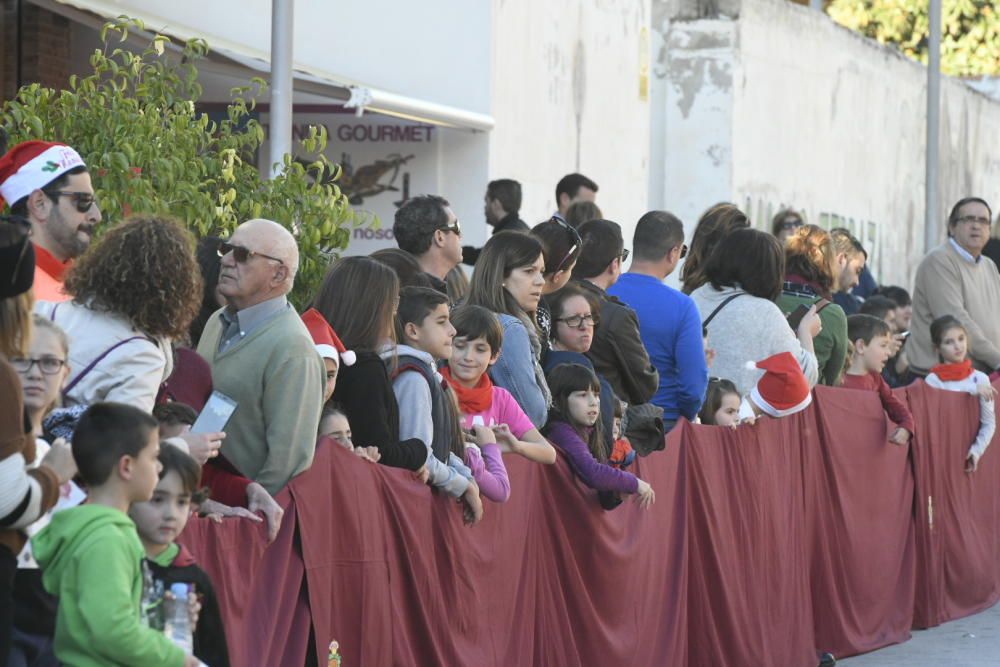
(718, 308)
(98, 360)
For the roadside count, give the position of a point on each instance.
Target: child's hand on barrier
(483, 435)
(645, 495)
(422, 474)
(472, 505)
(971, 463)
(368, 453)
(900, 436)
(987, 391)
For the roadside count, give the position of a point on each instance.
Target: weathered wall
(566, 97)
(818, 118)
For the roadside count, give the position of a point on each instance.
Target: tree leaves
(135, 123)
(970, 40)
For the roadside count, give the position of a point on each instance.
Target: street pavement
(972, 642)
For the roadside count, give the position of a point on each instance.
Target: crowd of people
(146, 375)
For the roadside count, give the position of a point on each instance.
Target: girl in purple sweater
(575, 428)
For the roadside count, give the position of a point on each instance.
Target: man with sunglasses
(617, 351)
(669, 323)
(48, 185)
(263, 357)
(427, 228)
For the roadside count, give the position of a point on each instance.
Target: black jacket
(364, 393)
(617, 351)
(210, 635)
(510, 223)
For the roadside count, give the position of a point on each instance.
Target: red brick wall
(45, 47)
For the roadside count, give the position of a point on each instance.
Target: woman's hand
(645, 496)
(259, 500)
(986, 391)
(811, 324)
(203, 446)
(900, 436)
(60, 459)
(214, 510)
(368, 453)
(422, 474)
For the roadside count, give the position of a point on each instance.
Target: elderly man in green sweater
(955, 279)
(263, 358)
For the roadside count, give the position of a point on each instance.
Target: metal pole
(931, 206)
(282, 38)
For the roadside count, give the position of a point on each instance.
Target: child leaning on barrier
(955, 373)
(871, 347)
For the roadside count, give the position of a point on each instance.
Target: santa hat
(31, 165)
(783, 389)
(327, 343)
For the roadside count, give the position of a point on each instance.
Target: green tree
(970, 37)
(133, 120)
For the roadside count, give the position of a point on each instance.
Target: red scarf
(953, 372)
(472, 400)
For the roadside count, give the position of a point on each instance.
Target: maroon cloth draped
(765, 545)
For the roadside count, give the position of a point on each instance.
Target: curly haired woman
(137, 289)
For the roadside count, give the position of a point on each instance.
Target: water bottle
(178, 619)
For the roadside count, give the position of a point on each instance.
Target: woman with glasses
(560, 247)
(574, 318)
(137, 289)
(25, 495)
(509, 280)
(785, 223)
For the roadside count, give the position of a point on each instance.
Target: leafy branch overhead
(970, 39)
(135, 123)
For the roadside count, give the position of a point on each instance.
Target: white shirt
(963, 253)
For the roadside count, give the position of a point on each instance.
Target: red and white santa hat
(31, 165)
(328, 344)
(783, 389)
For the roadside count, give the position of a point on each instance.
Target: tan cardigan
(948, 284)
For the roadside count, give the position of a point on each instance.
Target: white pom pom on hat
(328, 344)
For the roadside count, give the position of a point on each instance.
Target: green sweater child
(91, 556)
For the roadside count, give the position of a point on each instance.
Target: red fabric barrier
(765, 544)
(956, 517)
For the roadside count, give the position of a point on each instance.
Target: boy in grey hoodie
(426, 411)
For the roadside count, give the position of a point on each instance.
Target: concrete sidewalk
(972, 641)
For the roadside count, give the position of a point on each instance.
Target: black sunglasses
(17, 229)
(574, 240)
(243, 255)
(83, 201)
(455, 227)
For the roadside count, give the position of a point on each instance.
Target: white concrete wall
(566, 97)
(777, 105)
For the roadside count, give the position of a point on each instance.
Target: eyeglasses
(16, 230)
(974, 219)
(791, 224)
(574, 240)
(242, 255)
(624, 255)
(47, 365)
(576, 321)
(83, 201)
(455, 227)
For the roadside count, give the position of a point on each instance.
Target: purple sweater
(598, 476)
(489, 471)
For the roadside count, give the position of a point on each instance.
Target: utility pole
(931, 213)
(282, 42)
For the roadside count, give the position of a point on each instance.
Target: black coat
(364, 393)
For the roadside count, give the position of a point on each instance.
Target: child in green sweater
(91, 555)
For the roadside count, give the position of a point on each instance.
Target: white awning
(307, 78)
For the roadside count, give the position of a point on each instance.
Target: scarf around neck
(471, 400)
(953, 372)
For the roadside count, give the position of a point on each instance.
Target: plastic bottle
(178, 619)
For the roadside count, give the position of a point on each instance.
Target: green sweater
(277, 378)
(91, 559)
(831, 343)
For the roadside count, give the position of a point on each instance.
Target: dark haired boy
(424, 332)
(871, 342)
(159, 521)
(91, 556)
